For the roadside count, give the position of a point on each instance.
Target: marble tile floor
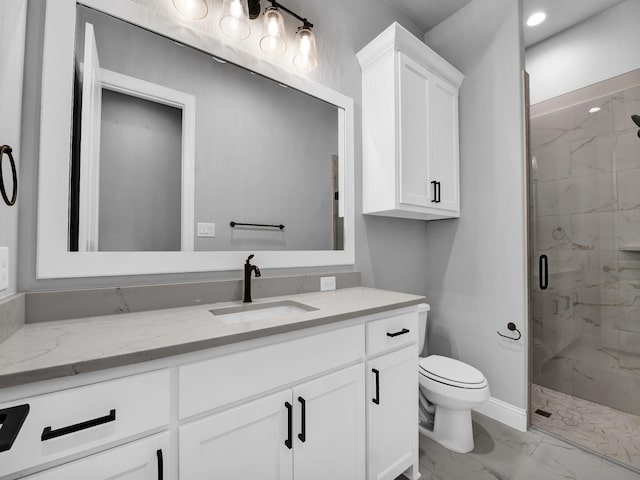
(597, 427)
(502, 453)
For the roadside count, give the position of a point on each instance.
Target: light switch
(206, 229)
(4, 268)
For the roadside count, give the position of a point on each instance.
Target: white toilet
(454, 388)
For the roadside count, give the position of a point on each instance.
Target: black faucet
(248, 268)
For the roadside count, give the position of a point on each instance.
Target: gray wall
(140, 175)
(390, 253)
(477, 278)
(12, 38)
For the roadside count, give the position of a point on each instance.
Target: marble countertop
(47, 350)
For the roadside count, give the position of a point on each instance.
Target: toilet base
(452, 429)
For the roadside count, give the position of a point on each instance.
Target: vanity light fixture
(594, 109)
(234, 19)
(273, 42)
(536, 19)
(194, 9)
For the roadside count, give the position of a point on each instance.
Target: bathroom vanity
(308, 386)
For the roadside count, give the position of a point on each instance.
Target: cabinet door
(142, 460)
(444, 144)
(330, 427)
(245, 442)
(414, 135)
(392, 399)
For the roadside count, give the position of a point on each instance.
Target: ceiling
(561, 14)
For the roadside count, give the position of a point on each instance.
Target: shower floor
(604, 430)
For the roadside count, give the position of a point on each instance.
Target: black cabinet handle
(11, 419)
(435, 192)
(376, 400)
(160, 465)
(303, 415)
(401, 332)
(48, 434)
(287, 442)
(438, 185)
(543, 272)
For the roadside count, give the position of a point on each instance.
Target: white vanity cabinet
(313, 431)
(410, 129)
(392, 397)
(291, 406)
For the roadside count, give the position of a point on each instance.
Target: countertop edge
(141, 356)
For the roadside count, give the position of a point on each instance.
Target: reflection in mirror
(171, 145)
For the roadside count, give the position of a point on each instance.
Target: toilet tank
(423, 310)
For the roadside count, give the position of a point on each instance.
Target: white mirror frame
(53, 258)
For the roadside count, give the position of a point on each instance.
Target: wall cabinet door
(141, 460)
(392, 396)
(330, 427)
(245, 442)
(414, 151)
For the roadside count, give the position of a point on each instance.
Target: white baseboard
(504, 412)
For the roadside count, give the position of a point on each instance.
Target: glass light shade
(194, 9)
(273, 42)
(234, 21)
(306, 56)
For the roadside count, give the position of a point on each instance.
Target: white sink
(260, 311)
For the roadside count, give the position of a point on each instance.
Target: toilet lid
(452, 372)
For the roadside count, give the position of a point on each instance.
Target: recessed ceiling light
(536, 19)
(594, 109)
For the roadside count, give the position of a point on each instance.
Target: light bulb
(306, 56)
(272, 41)
(194, 9)
(234, 19)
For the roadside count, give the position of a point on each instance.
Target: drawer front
(391, 332)
(210, 384)
(71, 421)
(146, 459)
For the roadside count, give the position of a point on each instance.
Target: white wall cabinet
(410, 129)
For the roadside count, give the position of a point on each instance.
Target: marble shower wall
(586, 211)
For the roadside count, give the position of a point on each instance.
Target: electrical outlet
(4, 268)
(327, 283)
(206, 229)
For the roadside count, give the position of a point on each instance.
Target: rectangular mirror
(182, 161)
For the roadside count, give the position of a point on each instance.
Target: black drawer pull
(48, 434)
(287, 442)
(160, 465)
(303, 415)
(376, 400)
(401, 332)
(11, 420)
(435, 191)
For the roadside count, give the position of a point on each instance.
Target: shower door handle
(543, 272)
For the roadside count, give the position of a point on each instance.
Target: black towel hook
(7, 149)
(512, 327)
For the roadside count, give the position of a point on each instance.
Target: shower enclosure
(585, 237)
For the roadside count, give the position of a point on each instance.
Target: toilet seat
(451, 372)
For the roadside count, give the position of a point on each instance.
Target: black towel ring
(7, 149)
(512, 327)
